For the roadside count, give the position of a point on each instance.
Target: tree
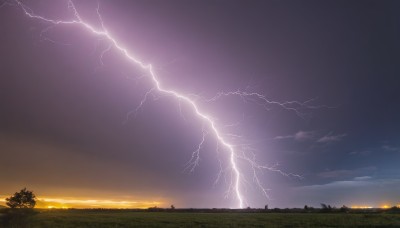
(22, 199)
(326, 208)
(344, 208)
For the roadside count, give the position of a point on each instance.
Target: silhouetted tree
(344, 208)
(326, 207)
(394, 209)
(266, 207)
(172, 207)
(22, 199)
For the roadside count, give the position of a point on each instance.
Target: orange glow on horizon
(384, 206)
(361, 207)
(65, 203)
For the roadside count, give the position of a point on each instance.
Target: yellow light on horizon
(95, 203)
(65, 203)
(56, 207)
(361, 207)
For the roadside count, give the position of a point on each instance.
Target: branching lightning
(209, 126)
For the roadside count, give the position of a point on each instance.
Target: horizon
(90, 203)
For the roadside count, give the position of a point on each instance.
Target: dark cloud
(347, 173)
(391, 148)
(299, 136)
(331, 138)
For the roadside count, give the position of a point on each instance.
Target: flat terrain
(121, 218)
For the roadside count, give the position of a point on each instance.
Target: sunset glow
(361, 207)
(385, 206)
(65, 203)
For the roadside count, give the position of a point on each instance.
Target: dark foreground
(127, 218)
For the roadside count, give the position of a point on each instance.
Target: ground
(124, 218)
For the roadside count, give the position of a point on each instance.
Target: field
(125, 218)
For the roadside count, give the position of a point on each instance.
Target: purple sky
(63, 121)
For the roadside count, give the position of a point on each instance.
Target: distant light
(65, 203)
(361, 207)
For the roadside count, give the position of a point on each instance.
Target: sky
(71, 129)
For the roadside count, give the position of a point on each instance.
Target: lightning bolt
(245, 153)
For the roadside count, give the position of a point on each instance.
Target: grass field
(120, 218)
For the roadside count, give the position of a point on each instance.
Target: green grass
(120, 218)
